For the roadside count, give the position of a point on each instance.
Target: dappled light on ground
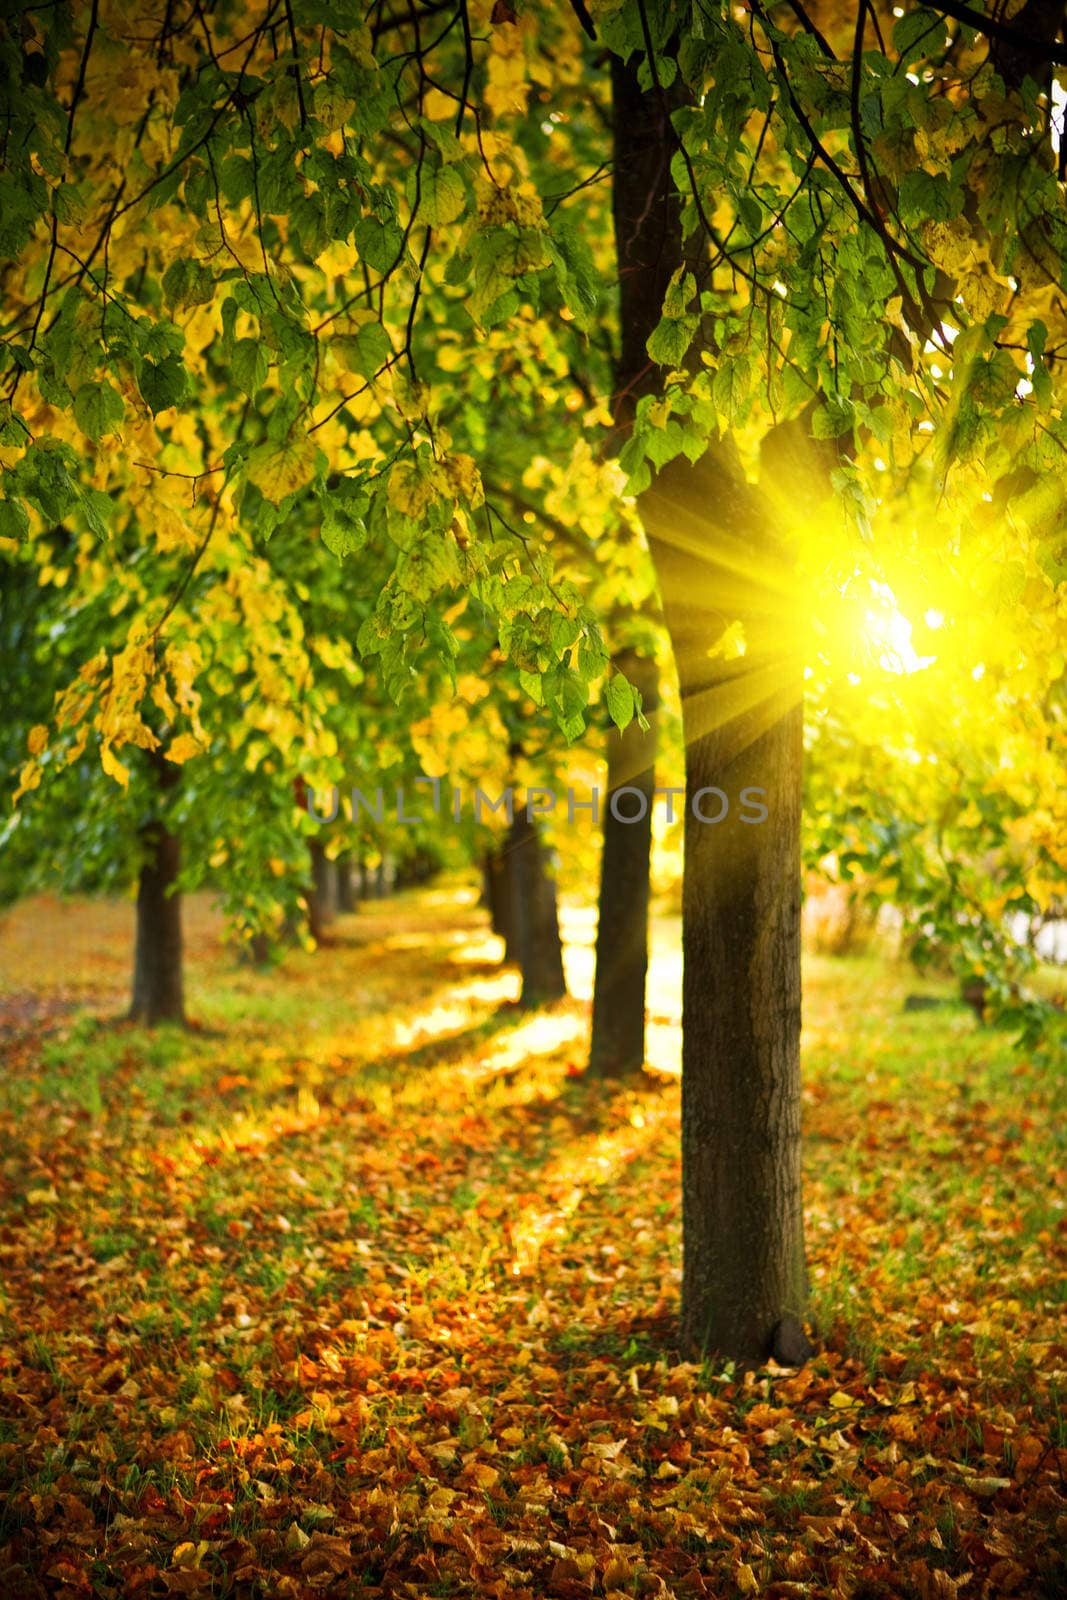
(363, 1289)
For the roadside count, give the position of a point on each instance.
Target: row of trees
(367, 376)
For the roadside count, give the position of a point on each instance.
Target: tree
(617, 1046)
(684, 106)
(158, 979)
(534, 914)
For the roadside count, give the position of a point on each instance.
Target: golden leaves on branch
(279, 470)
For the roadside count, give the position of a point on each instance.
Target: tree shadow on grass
(407, 1063)
(619, 1336)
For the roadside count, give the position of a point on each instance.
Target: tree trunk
(346, 899)
(500, 901)
(618, 1038)
(711, 536)
(536, 923)
(319, 903)
(158, 992)
(743, 1282)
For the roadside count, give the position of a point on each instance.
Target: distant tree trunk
(381, 880)
(618, 1038)
(500, 901)
(158, 992)
(416, 869)
(346, 899)
(536, 921)
(320, 908)
(973, 993)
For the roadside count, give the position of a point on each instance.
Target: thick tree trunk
(536, 921)
(618, 1038)
(743, 1283)
(158, 990)
(741, 1193)
(711, 536)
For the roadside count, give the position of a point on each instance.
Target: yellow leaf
(278, 471)
(842, 1401)
(745, 1578)
(29, 778)
(74, 753)
(113, 766)
(484, 1476)
(37, 739)
(410, 490)
(463, 478)
(162, 699)
(183, 748)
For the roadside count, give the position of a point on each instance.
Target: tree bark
(319, 901)
(500, 902)
(346, 899)
(158, 988)
(536, 921)
(617, 1047)
(711, 537)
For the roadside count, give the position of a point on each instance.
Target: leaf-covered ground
(360, 1289)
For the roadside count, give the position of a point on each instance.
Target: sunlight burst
(888, 631)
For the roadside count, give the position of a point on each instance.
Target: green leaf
(14, 523)
(378, 243)
(1041, 378)
(442, 138)
(833, 418)
(97, 507)
(187, 283)
(162, 383)
(731, 386)
(342, 532)
(531, 684)
(249, 365)
(367, 350)
(668, 343)
(98, 409)
(928, 197)
(919, 32)
(592, 656)
(619, 699)
(575, 271)
(680, 294)
(442, 194)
